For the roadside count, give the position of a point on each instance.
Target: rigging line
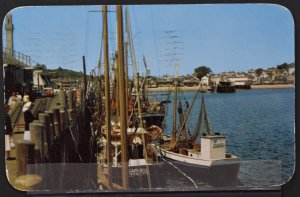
(73, 138)
(132, 51)
(138, 30)
(86, 34)
(100, 54)
(181, 172)
(91, 143)
(181, 128)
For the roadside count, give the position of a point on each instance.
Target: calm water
(259, 126)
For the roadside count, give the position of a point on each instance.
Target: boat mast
(126, 74)
(186, 117)
(117, 101)
(107, 98)
(175, 104)
(123, 103)
(129, 34)
(84, 83)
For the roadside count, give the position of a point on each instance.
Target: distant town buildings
(252, 77)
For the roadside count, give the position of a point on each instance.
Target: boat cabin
(213, 147)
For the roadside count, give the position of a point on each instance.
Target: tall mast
(126, 74)
(117, 101)
(107, 97)
(128, 28)
(83, 96)
(175, 104)
(123, 103)
(84, 77)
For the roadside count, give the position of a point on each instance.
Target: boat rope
(185, 175)
(73, 138)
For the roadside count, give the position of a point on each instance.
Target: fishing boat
(225, 87)
(204, 161)
(143, 166)
(125, 160)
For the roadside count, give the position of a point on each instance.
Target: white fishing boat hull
(141, 175)
(216, 172)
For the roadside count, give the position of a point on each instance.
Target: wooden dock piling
(56, 121)
(37, 133)
(24, 155)
(45, 119)
(51, 122)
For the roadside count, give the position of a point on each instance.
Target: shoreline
(273, 86)
(207, 88)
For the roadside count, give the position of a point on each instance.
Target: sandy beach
(273, 86)
(205, 88)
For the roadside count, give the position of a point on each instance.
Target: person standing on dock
(11, 98)
(18, 97)
(8, 134)
(12, 101)
(26, 98)
(28, 118)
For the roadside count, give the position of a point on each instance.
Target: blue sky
(223, 37)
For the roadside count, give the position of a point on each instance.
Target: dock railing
(17, 58)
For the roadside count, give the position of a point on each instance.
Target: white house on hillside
(291, 68)
(204, 80)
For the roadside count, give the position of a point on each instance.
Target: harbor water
(259, 126)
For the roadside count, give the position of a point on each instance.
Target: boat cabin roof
(212, 136)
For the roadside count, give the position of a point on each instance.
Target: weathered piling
(80, 95)
(48, 103)
(57, 139)
(64, 127)
(37, 133)
(61, 96)
(51, 122)
(63, 120)
(24, 155)
(56, 121)
(71, 105)
(45, 119)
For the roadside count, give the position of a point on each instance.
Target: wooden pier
(51, 159)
